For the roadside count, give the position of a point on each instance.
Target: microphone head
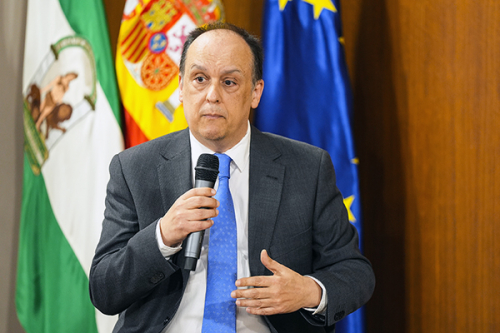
(207, 168)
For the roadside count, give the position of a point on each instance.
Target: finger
(198, 191)
(200, 214)
(254, 281)
(263, 311)
(200, 201)
(181, 218)
(198, 226)
(252, 293)
(269, 263)
(253, 303)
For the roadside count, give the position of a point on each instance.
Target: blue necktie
(220, 308)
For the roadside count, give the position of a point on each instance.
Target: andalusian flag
(307, 94)
(72, 130)
(147, 62)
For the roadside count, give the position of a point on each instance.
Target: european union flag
(307, 94)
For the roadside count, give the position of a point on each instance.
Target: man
(286, 204)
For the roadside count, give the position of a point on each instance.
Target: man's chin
(213, 136)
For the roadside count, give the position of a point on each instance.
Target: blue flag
(307, 94)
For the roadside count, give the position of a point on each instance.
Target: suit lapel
(174, 168)
(174, 173)
(265, 187)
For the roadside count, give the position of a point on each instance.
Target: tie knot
(224, 165)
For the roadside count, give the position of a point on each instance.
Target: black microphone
(207, 170)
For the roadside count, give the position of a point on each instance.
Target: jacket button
(165, 322)
(339, 315)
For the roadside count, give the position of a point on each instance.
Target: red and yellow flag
(149, 49)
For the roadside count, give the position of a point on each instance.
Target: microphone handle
(195, 239)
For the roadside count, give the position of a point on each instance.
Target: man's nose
(213, 94)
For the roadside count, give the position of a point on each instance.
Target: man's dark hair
(252, 41)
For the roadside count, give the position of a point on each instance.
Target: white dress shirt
(189, 316)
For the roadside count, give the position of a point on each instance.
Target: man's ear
(257, 93)
(180, 88)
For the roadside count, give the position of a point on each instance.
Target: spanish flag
(150, 43)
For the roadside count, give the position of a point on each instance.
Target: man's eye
(199, 79)
(229, 83)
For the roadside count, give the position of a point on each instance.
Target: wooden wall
(426, 79)
(426, 82)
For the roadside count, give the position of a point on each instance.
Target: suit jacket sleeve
(337, 261)
(128, 264)
(298, 214)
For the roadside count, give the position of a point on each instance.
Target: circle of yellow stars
(319, 5)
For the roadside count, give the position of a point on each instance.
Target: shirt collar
(240, 153)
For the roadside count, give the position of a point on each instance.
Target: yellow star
(319, 5)
(283, 4)
(354, 160)
(348, 203)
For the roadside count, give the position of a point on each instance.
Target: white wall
(12, 27)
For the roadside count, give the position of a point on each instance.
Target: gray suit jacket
(296, 212)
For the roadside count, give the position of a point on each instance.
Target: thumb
(269, 263)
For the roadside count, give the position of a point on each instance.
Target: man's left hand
(284, 292)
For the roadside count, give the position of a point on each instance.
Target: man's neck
(219, 146)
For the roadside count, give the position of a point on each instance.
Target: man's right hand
(187, 215)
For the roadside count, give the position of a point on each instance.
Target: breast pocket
(293, 249)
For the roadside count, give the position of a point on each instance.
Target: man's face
(217, 89)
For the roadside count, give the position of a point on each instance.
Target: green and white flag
(72, 130)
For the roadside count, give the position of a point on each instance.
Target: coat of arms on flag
(150, 44)
(60, 93)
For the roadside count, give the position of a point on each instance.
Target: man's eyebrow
(200, 67)
(232, 70)
(224, 72)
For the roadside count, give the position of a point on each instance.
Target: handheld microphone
(207, 169)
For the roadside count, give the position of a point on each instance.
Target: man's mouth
(212, 115)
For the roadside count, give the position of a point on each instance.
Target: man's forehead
(217, 34)
(217, 42)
